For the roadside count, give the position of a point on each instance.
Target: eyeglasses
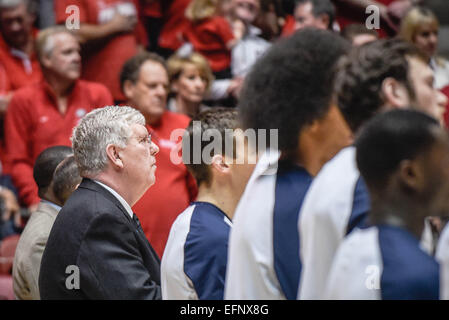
(146, 139)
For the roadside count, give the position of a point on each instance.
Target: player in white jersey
(403, 155)
(289, 89)
(194, 261)
(377, 77)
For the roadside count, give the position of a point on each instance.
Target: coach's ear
(112, 151)
(395, 94)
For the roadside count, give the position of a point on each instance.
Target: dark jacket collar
(92, 185)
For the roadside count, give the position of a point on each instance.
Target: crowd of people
(116, 117)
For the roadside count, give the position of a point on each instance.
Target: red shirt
(289, 26)
(33, 123)
(445, 90)
(152, 9)
(175, 22)
(210, 38)
(173, 190)
(17, 69)
(104, 63)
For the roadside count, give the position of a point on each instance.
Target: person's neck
(398, 212)
(50, 197)
(26, 47)
(116, 183)
(187, 107)
(151, 120)
(223, 198)
(312, 160)
(61, 87)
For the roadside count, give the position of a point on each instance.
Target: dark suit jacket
(94, 232)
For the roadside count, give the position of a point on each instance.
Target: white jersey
(194, 262)
(442, 255)
(336, 203)
(382, 262)
(263, 257)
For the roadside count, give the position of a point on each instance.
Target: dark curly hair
(360, 74)
(291, 85)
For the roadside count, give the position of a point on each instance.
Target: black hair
(320, 7)
(360, 75)
(388, 139)
(217, 118)
(291, 85)
(65, 179)
(45, 165)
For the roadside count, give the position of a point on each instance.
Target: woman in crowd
(190, 78)
(420, 27)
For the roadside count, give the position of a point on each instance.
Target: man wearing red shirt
(144, 80)
(43, 115)
(18, 62)
(111, 34)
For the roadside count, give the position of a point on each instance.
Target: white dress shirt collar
(119, 198)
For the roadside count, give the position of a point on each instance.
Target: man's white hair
(98, 129)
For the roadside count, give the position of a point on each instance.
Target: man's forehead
(153, 71)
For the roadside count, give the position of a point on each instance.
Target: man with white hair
(43, 115)
(96, 248)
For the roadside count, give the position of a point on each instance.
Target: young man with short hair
(194, 261)
(403, 156)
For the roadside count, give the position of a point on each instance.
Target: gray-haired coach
(96, 248)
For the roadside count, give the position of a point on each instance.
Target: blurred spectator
(43, 115)
(241, 14)
(420, 27)
(19, 65)
(390, 13)
(10, 214)
(314, 13)
(31, 246)
(190, 77)
(174, 22)
(111, 33)
(145, 83)
(211, 35)
(152, 14)
(358, 34)
(251, 46)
